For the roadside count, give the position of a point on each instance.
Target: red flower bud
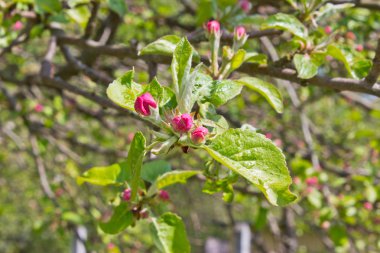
(350, 36)
(143, 103)
(199, 134)
(239, 32)
(126, 195)
(359, 48)
(163, 195)
(245, 5)
(312, 181)
(17, 26)
(182, 123)
(38, 108)
(328, 29)
(213, 26)
(368, 205)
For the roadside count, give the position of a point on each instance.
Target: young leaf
(134, 162)
(357, 67)
(211, 119)
(163, 95)
(267, 90)
(121, 218)
(181, 64)
(185, 102)
(238, 59)
(163, 46)
(257, 159)
(286, 22)
(152, 170)
(123, 91)
(306, 66)
(118, 6)
(169, 234)
(101, 175)
(174, 177)
(49, 6)
(222, 91)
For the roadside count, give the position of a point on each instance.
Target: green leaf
(163, 95)
(185, 102)
(169, 234)
(253, 57)
(123, 91)
(306, 66)
(286, 22)
(257, 159)
(361, 67)
(211, 119)
(201, 88)
(267, 90)
(181, 64)
(80, 15)
(152, 170)
(101, 175)
(357, 67)
(48, 6)
(238, 59)
(222, 91)
(329, 9)
(134, 162)
(163, 46)
(118, 6)
(121, 218)
(174, 177)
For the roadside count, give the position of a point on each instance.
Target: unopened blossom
(182, 123)
(164, 195)
(17, 26)
(239, 32)
(126, 196)
(312, 181)
(199, 135)
(143, 104)
(213, 26)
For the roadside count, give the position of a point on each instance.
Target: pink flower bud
(245, 5)
(110, 246)
(38, 108)
(312, 181)
(325, 225)
(328, 29)
(163, 195)
(359, 48)
(126, 196)
(268, 135)
(143, 103)
(199, 134)
(182, 123)
(368, 205)
(350, 36)
(213, 26)
(296, 180)
(239, 32)
(17, 26)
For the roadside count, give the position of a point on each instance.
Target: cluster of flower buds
(181, 123)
